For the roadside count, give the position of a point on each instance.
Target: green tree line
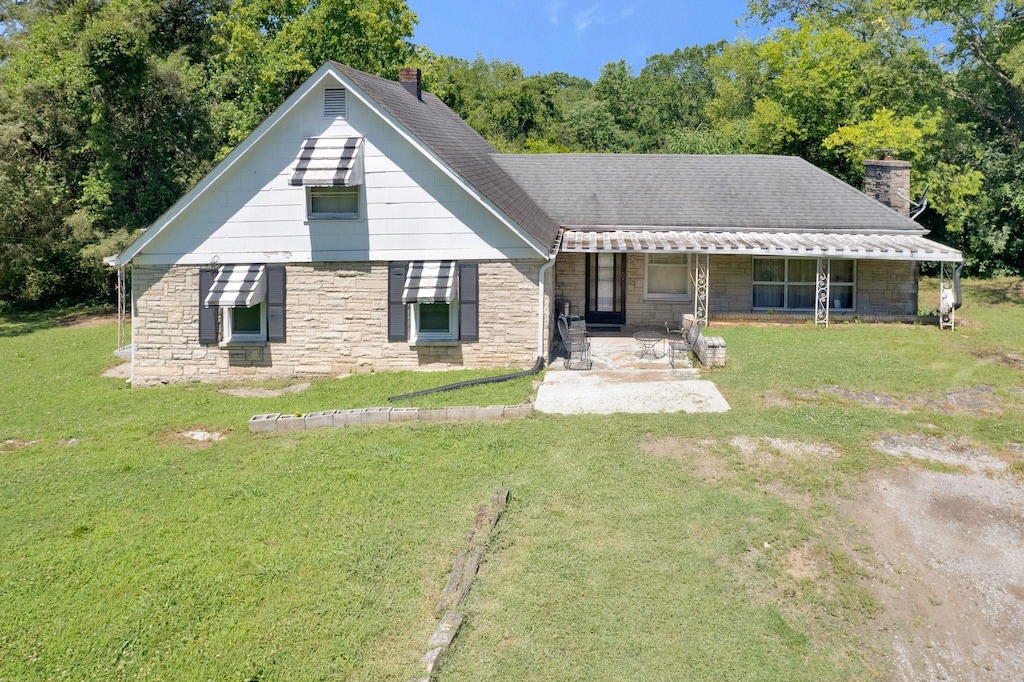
(110, 110)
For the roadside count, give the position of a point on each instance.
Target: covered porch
(621, 278)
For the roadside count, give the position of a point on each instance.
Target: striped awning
(238, 285)
(430, 282)
(329, 162)
(794, 244)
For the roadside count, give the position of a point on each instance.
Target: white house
(365, 226)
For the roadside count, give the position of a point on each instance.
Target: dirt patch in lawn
(197, 437)
(701, 458)
(121, 370)
(944, 557)
(257, 392)
(88, 320)
(975, 400)
(1011, 360)
(13, 444)
(950, 451)
(801, 564)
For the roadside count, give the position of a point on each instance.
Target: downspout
(540, 306)
(958, 298)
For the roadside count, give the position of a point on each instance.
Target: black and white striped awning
(238, 285)
(430, 282)
(794, 244)
(329, 162)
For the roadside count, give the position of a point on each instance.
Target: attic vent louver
(334, 103)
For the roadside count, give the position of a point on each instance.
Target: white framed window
(667, 277)
(790, 284)
(435, 322)
(243, 324)
(333, 203)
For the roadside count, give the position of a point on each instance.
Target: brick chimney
(411, 80)
(885, 180)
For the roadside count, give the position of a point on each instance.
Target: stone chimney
(885, 180)
(411, 80)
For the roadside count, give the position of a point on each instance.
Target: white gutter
(540, 306)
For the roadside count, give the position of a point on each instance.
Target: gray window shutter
(275, 303)
(208, 314)
(469, 302)
(397, 317)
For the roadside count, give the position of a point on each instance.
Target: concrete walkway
(621, 382)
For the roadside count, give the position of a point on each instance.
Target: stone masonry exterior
(336, 324)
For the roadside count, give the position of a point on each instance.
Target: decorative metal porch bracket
(823, 280)
(946, 296)
(700, 294)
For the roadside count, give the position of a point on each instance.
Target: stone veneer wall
(883, 288)
(886, 287)
(336, 324)
(570, 284)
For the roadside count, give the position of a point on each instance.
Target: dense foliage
(110, 110)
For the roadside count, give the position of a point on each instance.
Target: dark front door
(606, 288)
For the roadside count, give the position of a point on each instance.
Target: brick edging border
(277, 422)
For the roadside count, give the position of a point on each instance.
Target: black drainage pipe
(537, 366)
(958, 298)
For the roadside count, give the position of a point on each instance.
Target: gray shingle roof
(461, 147)
(752, 192)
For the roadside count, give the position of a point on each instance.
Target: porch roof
(794, 244)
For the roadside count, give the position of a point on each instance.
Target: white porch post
(700, 294)
(823, 280)
(122, 305)
(946, 296)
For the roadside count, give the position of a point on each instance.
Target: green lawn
(633, 547)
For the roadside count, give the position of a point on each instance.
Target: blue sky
(575, 36)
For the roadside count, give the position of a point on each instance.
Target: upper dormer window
(334, 103)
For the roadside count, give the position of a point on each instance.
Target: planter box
(404, 414)
(462, 413)
(263, 423)
(518, 411)
(347, 417)
(319, 420)
(376, 415)
(291, 423)
(491, 412)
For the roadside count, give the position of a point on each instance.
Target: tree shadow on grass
(998, 291)
(21, 323)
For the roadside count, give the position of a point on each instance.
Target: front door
(606, 288)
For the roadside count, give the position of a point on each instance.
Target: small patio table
(648, 339)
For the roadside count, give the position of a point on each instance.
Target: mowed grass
(634, 547)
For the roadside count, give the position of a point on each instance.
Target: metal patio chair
(576, 341)
(683, 340)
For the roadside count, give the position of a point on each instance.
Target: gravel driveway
(947, 561)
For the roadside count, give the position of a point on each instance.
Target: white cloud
(627, 11)
(584, 19)
(554, 7)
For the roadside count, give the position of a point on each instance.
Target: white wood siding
(410, 209)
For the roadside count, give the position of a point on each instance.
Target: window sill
(433, 342)
(800, 310)
(654, 298)
(331, 216)
(242, 344)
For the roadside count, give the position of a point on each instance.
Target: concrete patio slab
(631, 391)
